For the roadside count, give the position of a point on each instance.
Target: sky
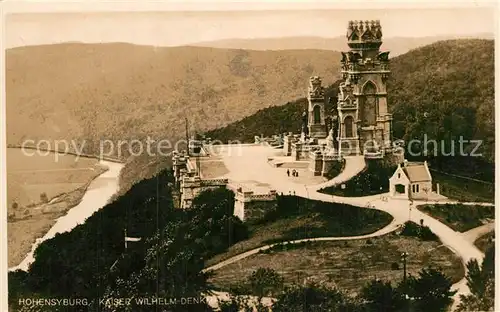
(171, 28)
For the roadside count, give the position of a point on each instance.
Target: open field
(297, 218)
(30, 176)
(347, 264)
(31, 214)
(486, 241)
(459, 217)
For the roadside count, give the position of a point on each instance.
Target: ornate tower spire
(365, 121)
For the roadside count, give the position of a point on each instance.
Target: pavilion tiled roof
(417, 171)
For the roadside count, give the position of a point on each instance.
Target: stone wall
(257, 209)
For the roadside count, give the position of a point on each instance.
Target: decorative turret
(316, 109)
(315, 88)
(362, 36)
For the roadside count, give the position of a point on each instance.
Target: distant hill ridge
(396, 45)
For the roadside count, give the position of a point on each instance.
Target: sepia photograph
(300, 157)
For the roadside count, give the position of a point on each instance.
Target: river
(100, 190)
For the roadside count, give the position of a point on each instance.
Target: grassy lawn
(296, 218)
(30, 176)
(463, 189)
(460, 217)
(486, 241)
(374, 179)
(336, 169)
(345, 264)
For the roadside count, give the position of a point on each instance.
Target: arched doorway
(348, 125)
(317, 114)
(369, 104)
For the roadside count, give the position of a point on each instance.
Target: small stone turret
(316, 110)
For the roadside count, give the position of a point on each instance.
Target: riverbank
(60, 215)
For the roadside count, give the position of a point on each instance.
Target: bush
(426, 234)
(11, 217)
(44, 198)
(15, 205)
(265, 282)
(394, 266)
(410, 229)
(414, 230)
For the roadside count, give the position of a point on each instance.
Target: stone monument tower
(316, 111)
(364, 120)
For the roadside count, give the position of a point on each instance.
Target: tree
(381, 296)
(431, 290)
(212, 221)
(265, 282)
(172, 269)
(242, 304)
(314, 298)
(44, 198)
(481, 283)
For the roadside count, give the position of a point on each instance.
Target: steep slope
(272, 120)
(445, 90)
(122, 91)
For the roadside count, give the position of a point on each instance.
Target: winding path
(387, 229)
(249, 162)
(473, 234)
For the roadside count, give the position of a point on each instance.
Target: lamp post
(409, 210)
(307, 198)
(404, 255)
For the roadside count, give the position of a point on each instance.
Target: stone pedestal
(316, 163)
(317, 131)
(349, 147)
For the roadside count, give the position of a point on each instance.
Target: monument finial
(364, 35)
(315, 87)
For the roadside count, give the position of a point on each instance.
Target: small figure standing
(296, 173)
(288, 172)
